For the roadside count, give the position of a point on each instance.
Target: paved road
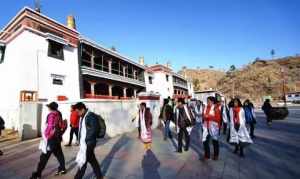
(273, 155)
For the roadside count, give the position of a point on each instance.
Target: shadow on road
(150, 165)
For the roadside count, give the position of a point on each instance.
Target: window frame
(2, 48)
(50, 46)
(150, 78)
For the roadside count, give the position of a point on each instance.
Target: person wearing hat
(51, 142)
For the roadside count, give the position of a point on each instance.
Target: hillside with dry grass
(255, 80)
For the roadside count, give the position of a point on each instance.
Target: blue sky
(193, 33)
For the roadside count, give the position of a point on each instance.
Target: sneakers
(60, 172)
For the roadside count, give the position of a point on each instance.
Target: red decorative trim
(90, 96)
(149, 97)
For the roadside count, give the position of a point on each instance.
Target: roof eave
(100, 47)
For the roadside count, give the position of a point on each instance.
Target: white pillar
(124, 92)
(92, 83)
(135, 93)
(110, 66)
(110, 89)
(124, 71)
(92, 60)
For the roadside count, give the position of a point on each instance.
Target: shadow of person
(150, 165)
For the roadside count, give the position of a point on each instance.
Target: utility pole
(283, 86)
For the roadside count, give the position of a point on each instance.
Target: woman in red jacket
(74, 124)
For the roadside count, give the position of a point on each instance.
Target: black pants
(183, 131)
(72, 132)
(252, 125)
(239, 148)
(56, 150)
(91, 158)
(207, 148)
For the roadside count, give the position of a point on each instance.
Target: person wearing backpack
(89, 129)
(51, 142)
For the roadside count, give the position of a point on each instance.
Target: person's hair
(239, 102)
(73, 107)
(181, 100)
(267, 100)
(166, 101)
(143, 104)
(212, 99)
(80, 106)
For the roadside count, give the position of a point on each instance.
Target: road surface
(274, 154)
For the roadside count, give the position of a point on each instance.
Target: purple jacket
(52, 120)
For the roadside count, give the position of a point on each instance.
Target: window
(2, 53)
(289, 95)
(28, 96)
(297, 95)
(56, 50)
(150, 79)
(167, 77)
(57, 81)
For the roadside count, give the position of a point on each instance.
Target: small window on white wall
(57, 79)
(56, 50)
(2, 53)
(150, 79)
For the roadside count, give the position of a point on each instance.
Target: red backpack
(62, 125)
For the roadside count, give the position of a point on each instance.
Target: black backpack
(101, 127)
(2, 123)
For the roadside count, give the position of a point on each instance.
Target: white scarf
(81, 155)
(44, 142)
(145, 134)
(189, 129)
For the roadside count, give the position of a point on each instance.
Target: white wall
(117, 114)
(27, 66)
(160, 84)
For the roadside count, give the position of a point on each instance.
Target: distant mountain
(203, 79)
(255, 80)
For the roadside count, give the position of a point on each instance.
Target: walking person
(2, 127)
(88, 133)
(184, 122)
(74, 124)
(51, 142)
(198, 111)
(167, 118)
(221, 115)
(239, 135)
(250, 116)
(267, 107)
(145, 118)
(211, 129)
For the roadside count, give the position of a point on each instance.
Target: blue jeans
(167, 128)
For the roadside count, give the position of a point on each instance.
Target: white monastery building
(42, 60)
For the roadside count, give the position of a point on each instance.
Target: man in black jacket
(91, 133)
(183, 120)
